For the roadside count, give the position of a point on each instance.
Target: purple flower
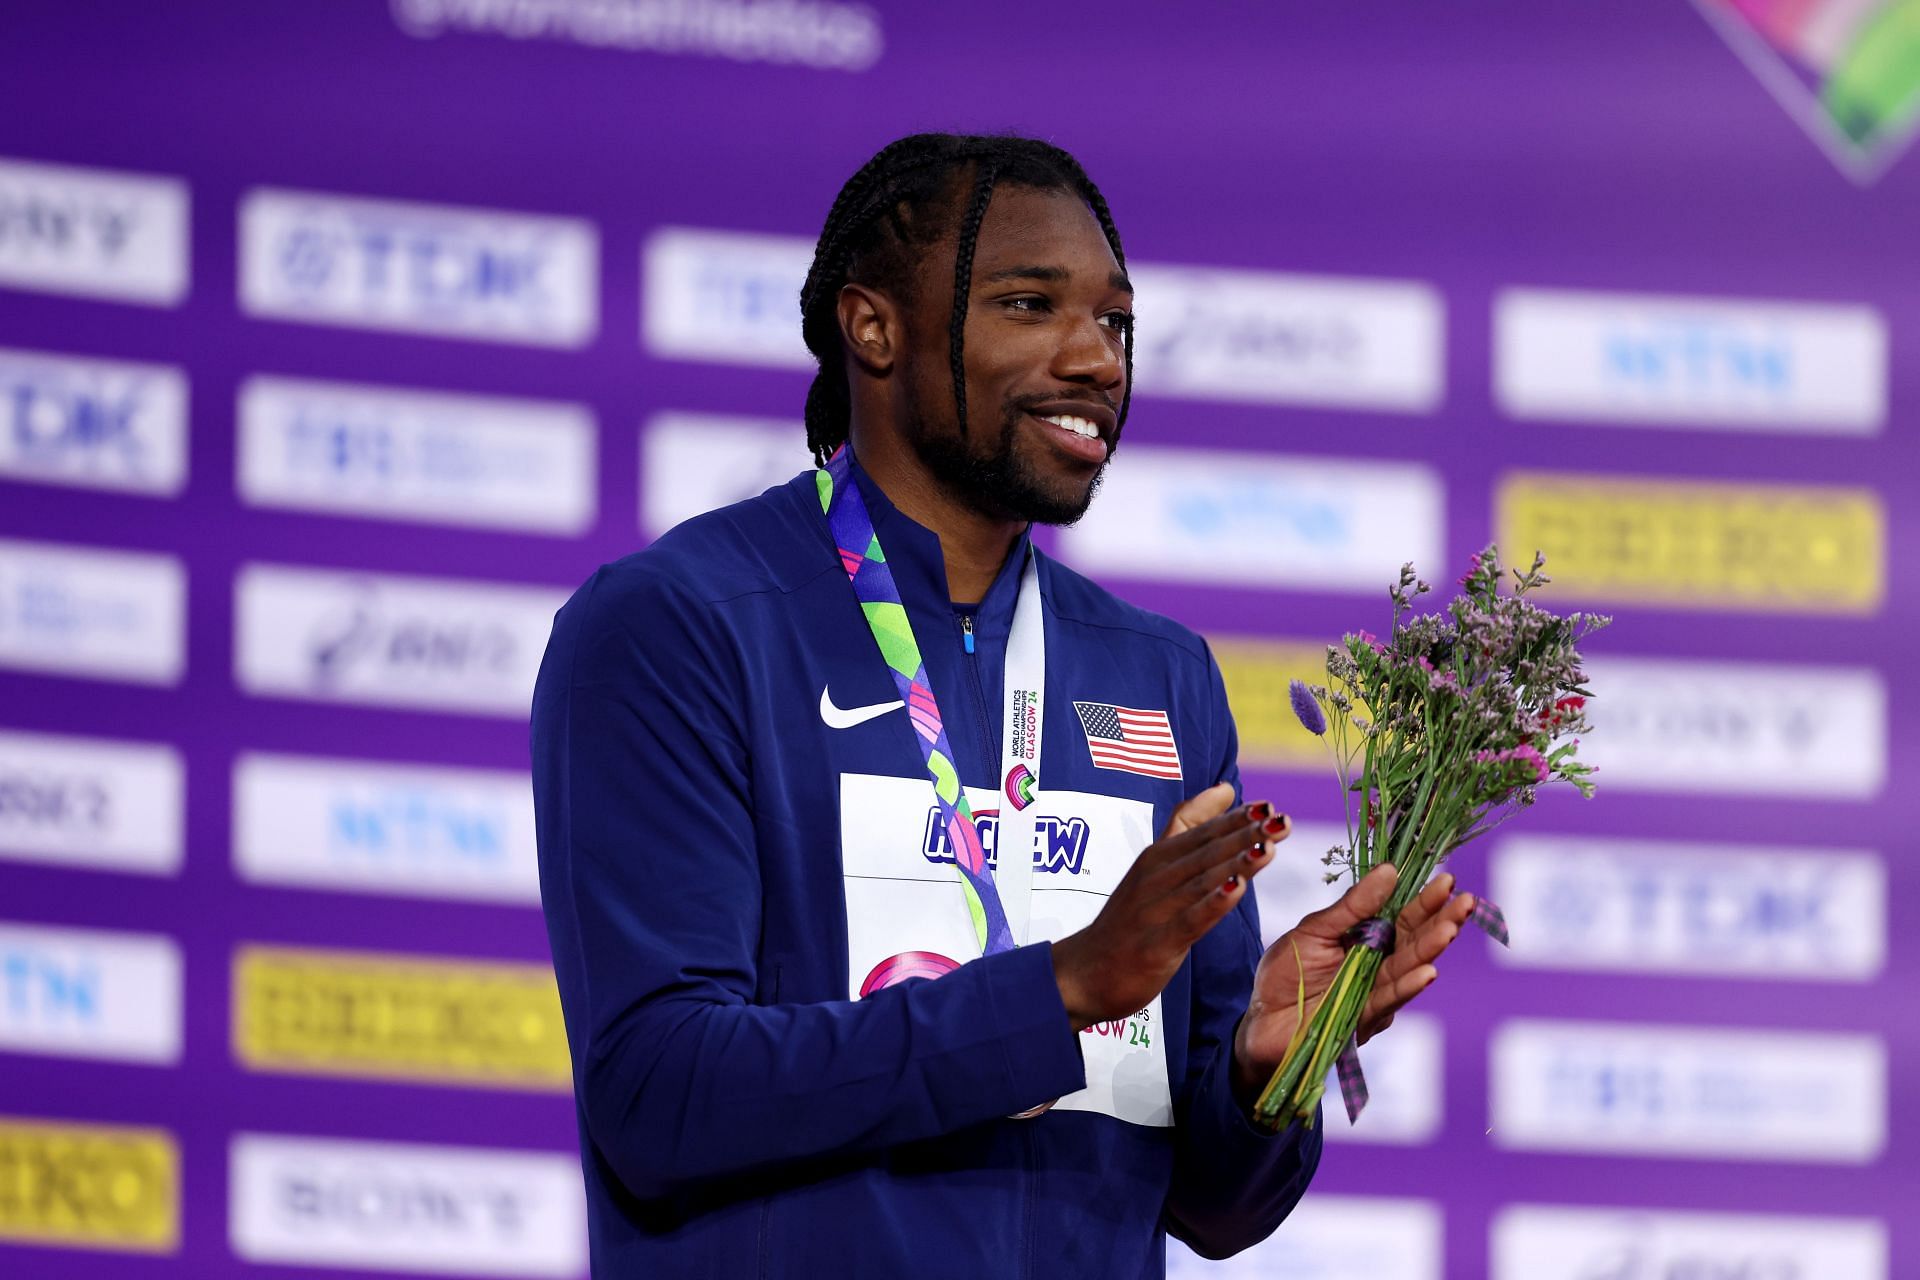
(1307, 708)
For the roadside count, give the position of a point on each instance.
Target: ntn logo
(1702, 356)
(36, 985)
(1059, 844)
(415, 822)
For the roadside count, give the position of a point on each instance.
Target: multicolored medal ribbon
(1378, 935)
(886, 614)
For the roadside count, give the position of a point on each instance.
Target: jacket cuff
(1040, 1054)
(1245, 1152)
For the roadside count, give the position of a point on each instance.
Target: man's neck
(973, 544)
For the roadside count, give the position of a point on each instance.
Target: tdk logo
(99, 423)
(1059, 844)
(411, 266)
(478, 273)
(1698, 359)
(50, 417)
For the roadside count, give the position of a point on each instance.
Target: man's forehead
(1050, 236)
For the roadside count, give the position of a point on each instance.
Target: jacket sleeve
(650, 882)
(1233, 1182)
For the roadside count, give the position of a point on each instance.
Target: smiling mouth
(1081, 427)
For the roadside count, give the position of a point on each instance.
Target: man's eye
(1027, 304)
(1119, 321)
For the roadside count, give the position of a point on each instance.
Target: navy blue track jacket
(722, 869)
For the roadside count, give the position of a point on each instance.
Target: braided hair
(900, 202)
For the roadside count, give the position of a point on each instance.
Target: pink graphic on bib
(908, 964)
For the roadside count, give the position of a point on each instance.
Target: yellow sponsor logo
(1257, 673)
(89, 1185)
(1789, 548)
(355, 1013)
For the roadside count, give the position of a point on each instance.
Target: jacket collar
(920, 570)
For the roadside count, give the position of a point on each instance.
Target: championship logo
(1019, 787)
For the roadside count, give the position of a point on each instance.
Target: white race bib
(906, 915)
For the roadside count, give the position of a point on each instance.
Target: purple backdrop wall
(1452, 154)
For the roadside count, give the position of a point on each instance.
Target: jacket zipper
(979, 691)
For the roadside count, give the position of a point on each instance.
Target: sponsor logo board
(1732, 910)
(98, 233)
(88, 1186)
(1403, 1240)
(695, 462)
(385, 828)
(1268, 338)
(1641, 359)
(394, 1017)
(393, 1207)
(1697, 545)
(442, 270)
(1553, 1242)
(1704, 1092)
(84, 993)
(87, 802)
(1737, 728)
(1257, 673)
(110, 615)
(1258, 520)
(426, 643)
(96, 424)
(412, 455)
(726, 296)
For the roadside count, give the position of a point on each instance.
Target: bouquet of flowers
(1438, 734)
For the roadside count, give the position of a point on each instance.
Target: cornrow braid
(898, 203)
(963, 284)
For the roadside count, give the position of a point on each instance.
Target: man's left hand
(1426, 928)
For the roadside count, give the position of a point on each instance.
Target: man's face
(1045, 353)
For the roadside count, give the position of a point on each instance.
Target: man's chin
(1062, 506)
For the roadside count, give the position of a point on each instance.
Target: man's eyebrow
(1053, 275)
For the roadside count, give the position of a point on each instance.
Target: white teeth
(1079, 426)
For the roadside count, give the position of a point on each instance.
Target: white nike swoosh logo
(838, 719)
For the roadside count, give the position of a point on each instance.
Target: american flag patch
(1129, 740)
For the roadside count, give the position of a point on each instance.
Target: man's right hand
(1179, 887)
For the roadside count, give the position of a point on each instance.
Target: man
(750, 747)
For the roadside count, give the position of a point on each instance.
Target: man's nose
(1088, 355)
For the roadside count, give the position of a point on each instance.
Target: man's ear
(870, 327)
